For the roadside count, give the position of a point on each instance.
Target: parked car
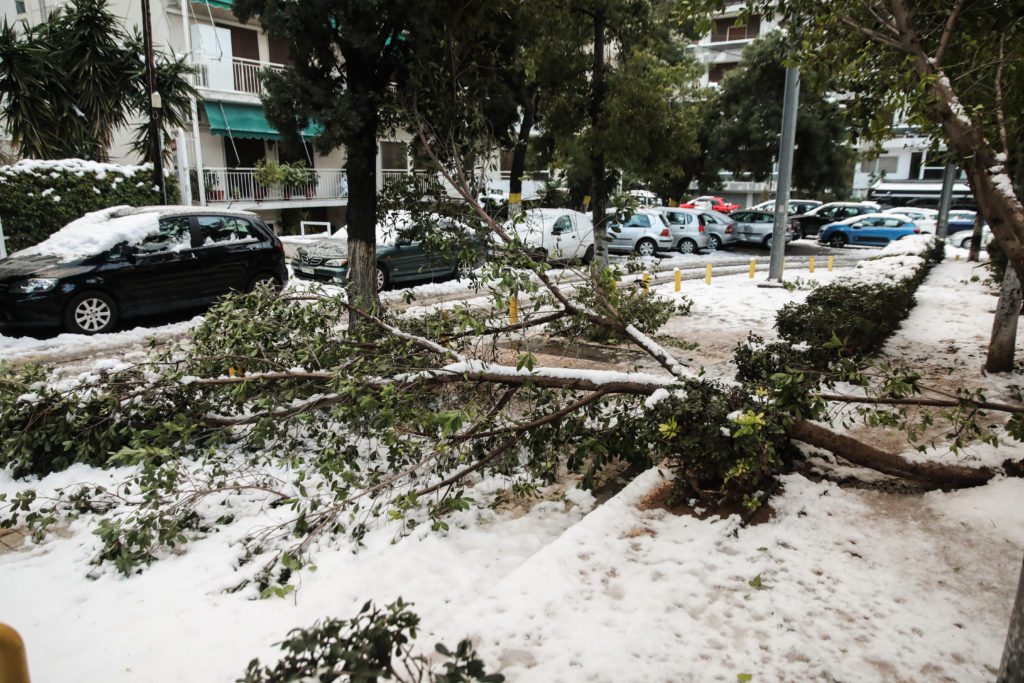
(399, 259)
(963, 239)
(720, 228)
(873, 229)
(710, 202)
(924, 218)
(687, 230)
(123, 262)
(644, 198)
(811, 222)
(757, 227)
(557, 234)
(962, 215)
(797, 207)
(644, 231)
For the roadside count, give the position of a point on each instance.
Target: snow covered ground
(840, 584)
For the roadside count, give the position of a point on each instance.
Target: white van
(557, 234)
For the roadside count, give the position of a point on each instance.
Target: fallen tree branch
(924, 402)
(866, 455)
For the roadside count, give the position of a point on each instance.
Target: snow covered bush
(863, 309)
(39, 197)
(375, 645)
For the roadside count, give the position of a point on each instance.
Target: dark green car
(398, 260)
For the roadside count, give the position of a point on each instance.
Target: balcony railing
(246, 76)
(240, 185)
(425, 183)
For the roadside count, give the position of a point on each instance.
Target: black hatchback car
(125, 262)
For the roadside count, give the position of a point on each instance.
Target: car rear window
(217, 229)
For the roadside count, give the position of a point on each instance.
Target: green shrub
(726, 444)
(373, 646)
(37, 198)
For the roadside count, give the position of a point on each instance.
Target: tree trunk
(1011, 670)
(597, 162)
(865, 455)
(515, 177)
(966, 138)
(976, 245)
(1003, 343)
(361, 167)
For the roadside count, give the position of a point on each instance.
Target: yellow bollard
(753, 268)
(831, 260)
(513, 310)
(956, 257)
(707, 275)
(782, 268)
(811, 265)
(679, 280)
(647, 282)
(13, 662)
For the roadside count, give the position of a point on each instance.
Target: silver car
(756, 227)
(688, 234)
(720, 229)
(645, 231)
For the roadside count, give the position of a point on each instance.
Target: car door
(743, 228)
(634, 229)
(162, 272)
(761, 226)
(563, 237)
(864, 231)
(228, 246)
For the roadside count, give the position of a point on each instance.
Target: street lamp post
(155, 129)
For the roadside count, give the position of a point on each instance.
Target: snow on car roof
(97, 232)
(100, 231)
(854, 219)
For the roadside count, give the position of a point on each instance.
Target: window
(892, 222)
(19, 6)
(676, 218)
(849, 211)
(727, 29)
(744, 216)
(562, 226)
(173, 236)
(394, 156)
(888, 164)
(217, 229)
(638, 220)
(829, 212)
(718, 71)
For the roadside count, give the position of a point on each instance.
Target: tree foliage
(69, 83)
(747, 137)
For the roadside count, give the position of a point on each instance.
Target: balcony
(425, 183)
(243, 76)
(239, 186)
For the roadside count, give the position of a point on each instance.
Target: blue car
(869, 230)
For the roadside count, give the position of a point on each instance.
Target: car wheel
(965, 243)
(90, 313)
(714, 242)
(838, 240)
(382, 279)
(687, 246)
(266, 280)
(588, 255)
(646, 247)
(767, 242)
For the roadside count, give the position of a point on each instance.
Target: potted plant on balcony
(269, 174)
(299, 179)
(212, 183)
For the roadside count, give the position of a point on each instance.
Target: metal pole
(3, 241)
(790, 103)
(197, 147)
(155, 129)
(1012, 667)
(945, 200)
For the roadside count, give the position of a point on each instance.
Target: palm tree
(69, 83)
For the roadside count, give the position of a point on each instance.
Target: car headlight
(336, 262)
(36, 284)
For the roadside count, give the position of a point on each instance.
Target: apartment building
(903, 172)
(216, 157)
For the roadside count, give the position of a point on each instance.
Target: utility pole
(790, 103)
(155, 129)
(945, 200)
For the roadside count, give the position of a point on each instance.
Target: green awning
(246, 121)
(223, 4)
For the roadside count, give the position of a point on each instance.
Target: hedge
(37, 198)
(867, 306)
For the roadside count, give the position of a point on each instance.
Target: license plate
(304, 269)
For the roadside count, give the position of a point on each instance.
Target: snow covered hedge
(864, 308)
(39, 197)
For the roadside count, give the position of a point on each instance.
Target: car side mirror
(127, 252)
